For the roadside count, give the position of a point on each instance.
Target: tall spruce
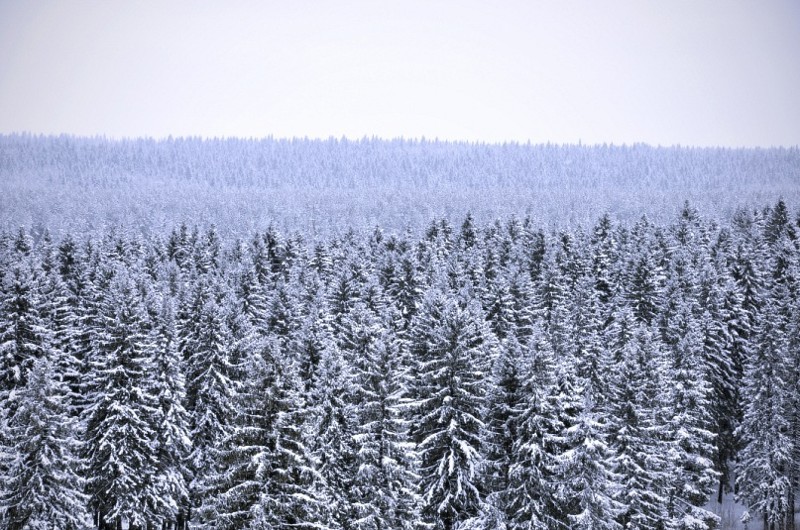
(452, 347)
(121, 443)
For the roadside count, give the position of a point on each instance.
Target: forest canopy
(394, 334)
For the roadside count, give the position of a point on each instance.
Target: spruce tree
(172, 425)
(452, 347)
(43, 487)
(291, 495)
(506, 399)
(210, 389)
(334, 449)
(764, 473)
(121, 443)
(530, 497)
(635, 432)
(383, 492)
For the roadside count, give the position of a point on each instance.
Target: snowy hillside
(324, 186)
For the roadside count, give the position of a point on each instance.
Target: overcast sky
(701, 72)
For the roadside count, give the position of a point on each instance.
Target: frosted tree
(403, 281)
(506, 400)
(252, 301)
(644, 273)
(384, 495)
(590, 353)
(22, 328)
(120, 446)
(582, 485)
(210, 389)
(718, 312)
(691, 440)
(603, 259)
(60, 309)
(530, 492)
(334, 427)
(585, 486)
(766, 466)
(499, 304)
(290, 493)
(43, 487)
(452, 347)
(235, 483)
(635, 437)
(172, 424)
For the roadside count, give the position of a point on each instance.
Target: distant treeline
(243, 184)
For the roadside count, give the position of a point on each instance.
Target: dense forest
(324, 187)
(464, 375)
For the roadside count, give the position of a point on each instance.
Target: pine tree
(452, 348)
(635, 436)
(172, 426)
(120, 447)
(530, 497)
(43, 486)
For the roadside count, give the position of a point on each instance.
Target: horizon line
(376, 138)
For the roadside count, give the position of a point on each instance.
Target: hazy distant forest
(397, 335)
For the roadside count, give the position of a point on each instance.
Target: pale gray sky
(702, 72)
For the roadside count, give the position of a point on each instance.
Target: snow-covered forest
(371, 334)
(466, 375)
(328, 186)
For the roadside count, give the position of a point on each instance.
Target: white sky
(702, 72)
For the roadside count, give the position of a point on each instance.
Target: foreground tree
(453, 346)
(121, 443)
(764, 471)
(43, 487)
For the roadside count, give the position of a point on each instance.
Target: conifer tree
(291, 495)
(506, 398)
(452, 348)
(172, 424)
(530, 498)
(689, 433)
(22, 326)
(635, 432)
(764, 478)
(43, 487)
(334, 427)
(210, 389)
(384, 495)
(120, 446)
(234, 485)
(586, 488)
